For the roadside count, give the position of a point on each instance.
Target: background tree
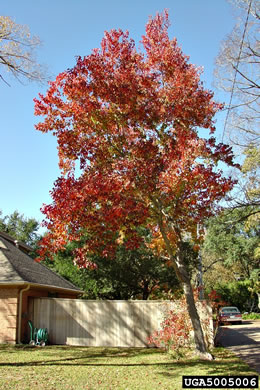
(237, 72)
(238, 294)
(18, 52)
(21, 228)
(247, 194)
(251, 171)
(231, 248)
(131, 274)
(131, 120)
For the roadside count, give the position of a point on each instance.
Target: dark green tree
(20, 228)
(239, 294)
(132, 274)
(234, 242)
(231, 256)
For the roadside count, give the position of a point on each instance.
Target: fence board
(100, 323)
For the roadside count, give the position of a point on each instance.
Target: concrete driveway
(243, 340)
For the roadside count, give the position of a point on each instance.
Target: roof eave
(44, 286)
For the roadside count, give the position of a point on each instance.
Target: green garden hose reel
(38, 336)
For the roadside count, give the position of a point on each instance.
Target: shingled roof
(16, 267)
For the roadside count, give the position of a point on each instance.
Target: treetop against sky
(30, 158)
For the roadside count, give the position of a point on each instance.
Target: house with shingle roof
(21, 280)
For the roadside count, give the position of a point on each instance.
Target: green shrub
(251, 316)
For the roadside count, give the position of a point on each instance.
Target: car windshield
(230, 310)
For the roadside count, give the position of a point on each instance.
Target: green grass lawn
(63, 367)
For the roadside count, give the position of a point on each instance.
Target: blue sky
(28, 158)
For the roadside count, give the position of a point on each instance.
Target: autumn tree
(127, 124)
(18, 52)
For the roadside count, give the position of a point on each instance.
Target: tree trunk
(191, 306)
(183, 276)
(193, 313)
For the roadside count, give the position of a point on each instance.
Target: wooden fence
(100, 323)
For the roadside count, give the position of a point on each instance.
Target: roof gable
(16, 266)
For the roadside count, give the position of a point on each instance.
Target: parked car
(229, 314)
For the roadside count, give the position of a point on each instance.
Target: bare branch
(237, 73)
(17, 52)
(245, 77)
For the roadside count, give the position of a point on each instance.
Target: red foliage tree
(130, 153)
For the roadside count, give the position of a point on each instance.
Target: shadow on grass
(90, 357)
(81, 352)
(212, 368)
(55, 354)
(171, 368)
(81, 356)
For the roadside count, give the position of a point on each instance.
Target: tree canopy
(130, 120)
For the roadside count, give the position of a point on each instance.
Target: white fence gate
(99, 323)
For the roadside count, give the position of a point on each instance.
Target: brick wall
(8, 315)
(9, 306)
